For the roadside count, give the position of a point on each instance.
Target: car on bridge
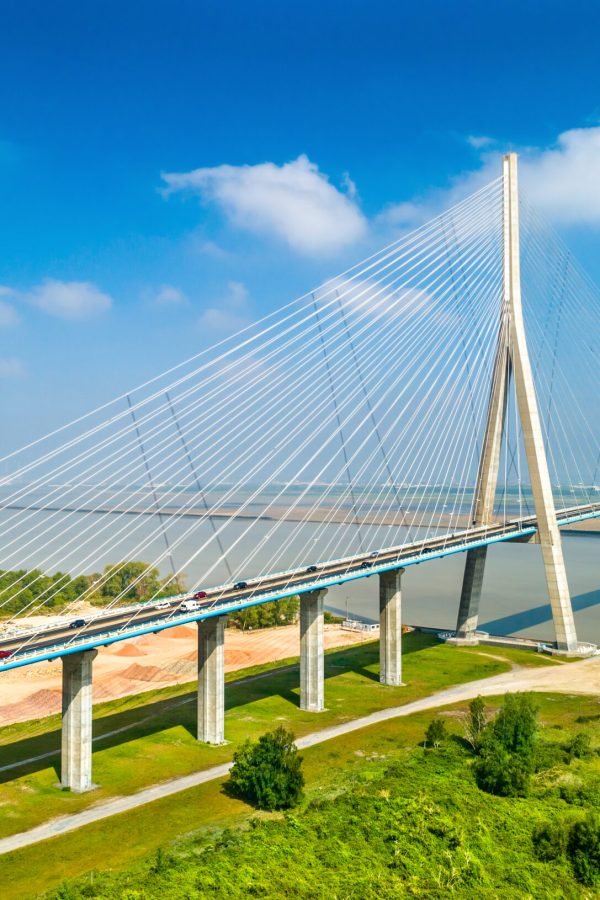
(162, 604)
(200, 595)
(189, 605)
(6, 654)
(312, 569)
(78, 623)
(240, 586)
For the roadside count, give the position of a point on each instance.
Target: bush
(267, 773)
(550, 841)
(499, 772)
(584, 850)
(580, 746)
(436, 732)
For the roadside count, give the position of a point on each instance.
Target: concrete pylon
(513, 358)
(76, 738)
(211, 680)
(312, 660)
(390, 627)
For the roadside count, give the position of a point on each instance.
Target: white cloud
(8, 314)
(168, 295)
(11, 367)
(564, 181)
(479, 141)
(230, 313)
(69, 299)
(294, 202)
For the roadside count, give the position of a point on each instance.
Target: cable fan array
(348, 421)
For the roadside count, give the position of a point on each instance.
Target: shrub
(267, 773)
(580, 746)
(584, 850)
(436, 732)
(550, 840)
(499, 772)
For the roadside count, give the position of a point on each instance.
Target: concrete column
(76, 749)
(312, 661)
(470, 598)
(211, 680)
(390, 627)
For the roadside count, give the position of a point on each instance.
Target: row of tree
(133, 581)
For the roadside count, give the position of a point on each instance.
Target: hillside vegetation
(412, 823)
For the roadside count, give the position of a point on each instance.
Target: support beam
(390, 627)
(211, 680)
(76, 744)
(312, 662)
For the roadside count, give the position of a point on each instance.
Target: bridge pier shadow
(119, 728)
(539, 615)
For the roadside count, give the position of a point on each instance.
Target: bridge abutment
(211, 680)
(390, 627)
(312, 658)
(76, 741)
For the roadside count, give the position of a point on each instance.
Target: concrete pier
(211, 680)
(390, 627)
(76, 748)
(312, 662)
(470, 598)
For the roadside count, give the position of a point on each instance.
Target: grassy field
(189, 825)
(151, 737)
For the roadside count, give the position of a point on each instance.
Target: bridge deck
(124, 624)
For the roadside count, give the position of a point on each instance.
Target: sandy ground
(150, 661)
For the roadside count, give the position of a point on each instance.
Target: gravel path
(577, 678)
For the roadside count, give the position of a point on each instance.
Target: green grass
(156, 731)
(427, 790)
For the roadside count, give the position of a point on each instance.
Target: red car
(200, 595)
(5, 654)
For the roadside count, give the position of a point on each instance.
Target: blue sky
(169, 171)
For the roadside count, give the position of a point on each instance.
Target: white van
(190, 605)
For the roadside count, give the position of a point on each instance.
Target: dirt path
(577, 678)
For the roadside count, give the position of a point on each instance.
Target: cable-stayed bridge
(437, 398)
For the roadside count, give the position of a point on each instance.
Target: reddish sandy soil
(149, 661)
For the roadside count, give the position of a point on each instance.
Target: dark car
(200, 595)
(5, 654)
(313, 569)
(78, 623)
(366, 564)
(240, 585)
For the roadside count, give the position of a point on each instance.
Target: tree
(507, 748)
(436, 732)
(475, 722)
(267, 772)
(515, 727)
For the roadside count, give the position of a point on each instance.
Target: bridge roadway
(124, 624)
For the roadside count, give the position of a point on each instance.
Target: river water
(514, 595)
